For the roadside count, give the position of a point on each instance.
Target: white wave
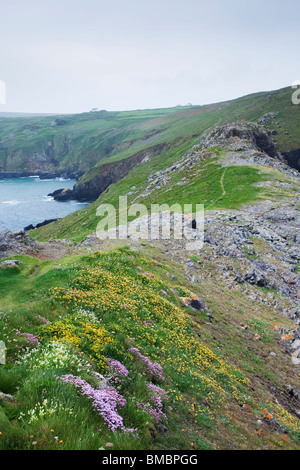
(11, 202)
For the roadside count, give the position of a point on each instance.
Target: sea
(25, 201)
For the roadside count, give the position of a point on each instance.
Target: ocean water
(24, 201)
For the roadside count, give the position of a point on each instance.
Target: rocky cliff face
(293, 158)
(242, 136)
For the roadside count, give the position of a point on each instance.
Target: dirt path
(35, 271)
(54, 249)
(222, 184)
(223, 189)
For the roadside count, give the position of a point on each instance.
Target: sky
(68, 56)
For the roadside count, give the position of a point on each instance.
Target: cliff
(108, 173)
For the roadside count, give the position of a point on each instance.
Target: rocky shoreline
(41, 224)
(43, 176)
(109, 173)
(66, 174)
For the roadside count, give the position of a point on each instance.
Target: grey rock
(6, 397)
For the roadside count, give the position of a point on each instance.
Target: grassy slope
(80, 141)
(182, 130)
(214, 405)
(217, 388)
(186, 126)
(86, 140)
(203, 186)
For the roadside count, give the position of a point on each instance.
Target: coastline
(32, 208)
(66, 174)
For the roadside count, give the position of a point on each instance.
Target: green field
(209, 184)
(86, 140)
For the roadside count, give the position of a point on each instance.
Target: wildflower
(43, 320)
(117, 371)
(105, 401)
(32, 339)
(154, 369)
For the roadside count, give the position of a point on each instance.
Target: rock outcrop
(90, 188)
(41, 224)
(242, 136)
(16, 243)
(293, 158)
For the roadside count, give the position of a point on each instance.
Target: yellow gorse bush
(85, 336)
(154, 322)
(288, 421)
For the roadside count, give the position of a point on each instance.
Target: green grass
(206, 188)
(216, 377)
(86, 140)
(202, 187)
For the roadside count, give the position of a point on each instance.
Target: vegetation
(208, 184)
(102, 350)
(85, 141)
(110, 318)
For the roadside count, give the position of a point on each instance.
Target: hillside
(70, 142)
(225, 382)
(217, 371)
(188, 175)
(78, 143)
(133, 344)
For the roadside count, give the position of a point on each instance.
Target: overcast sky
(68, 56)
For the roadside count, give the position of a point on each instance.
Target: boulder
(11, 262)
(195, 302)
